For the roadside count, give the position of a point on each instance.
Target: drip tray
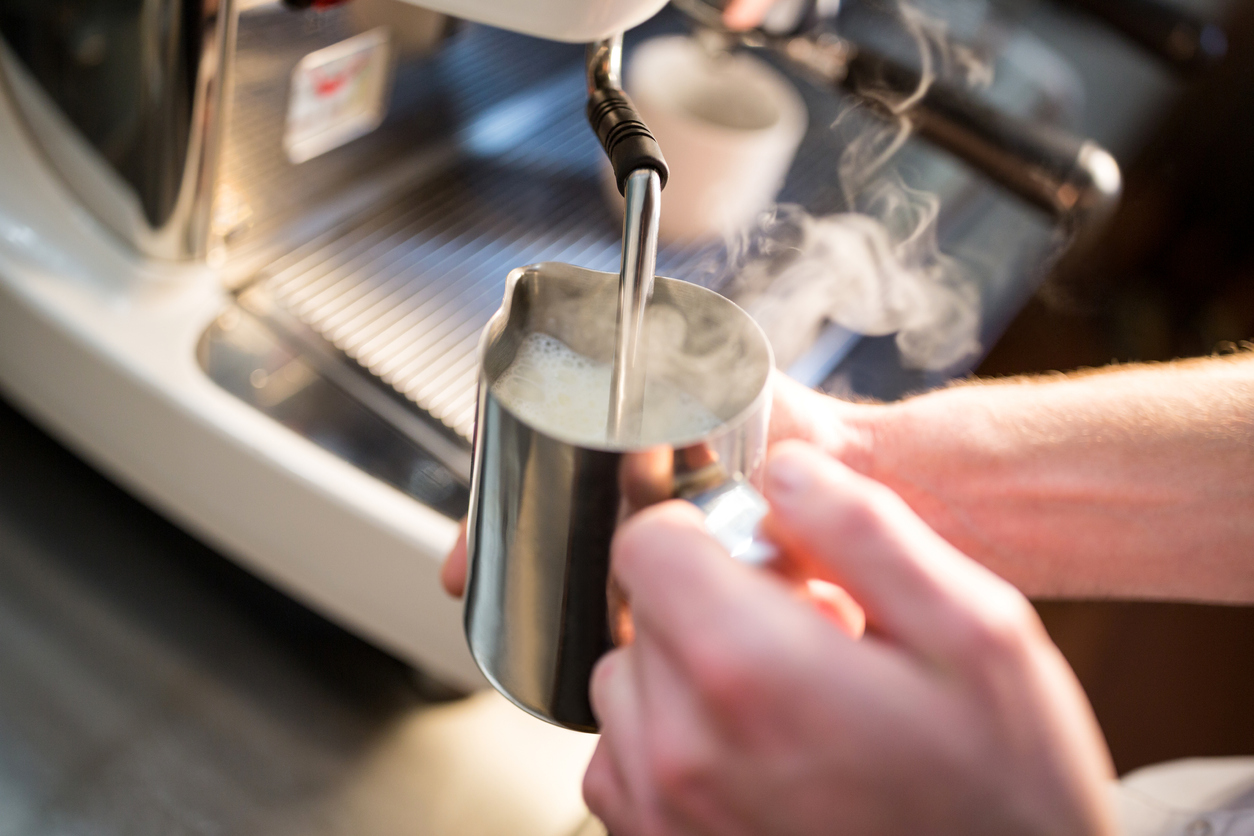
(266, 370)
(406, 291)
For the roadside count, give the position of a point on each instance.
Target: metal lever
(642, 212)
(1072, 178)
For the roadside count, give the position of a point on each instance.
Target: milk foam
(567, 395)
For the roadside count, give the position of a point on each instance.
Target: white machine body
(577, 21)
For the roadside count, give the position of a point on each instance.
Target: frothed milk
(568, 396)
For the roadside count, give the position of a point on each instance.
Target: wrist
(857, 434)
(940, 434)
(883, 438)
(927, 450)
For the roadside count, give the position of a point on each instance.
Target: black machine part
(627, 140)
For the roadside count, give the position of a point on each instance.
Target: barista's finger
(671, 570)
(647, 477)
(621, 782)
(655, 743)
(604, 791)
(836, 604)
(745, 14)
(453, 572)
(694, 600)
(913, 585)
(797, 411)
(683, 746)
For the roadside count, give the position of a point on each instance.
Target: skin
(738, 708)
(1128, 482)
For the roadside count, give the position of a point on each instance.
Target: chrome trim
(284, 380)
(179, 230)
(635, 285)
(605, 62)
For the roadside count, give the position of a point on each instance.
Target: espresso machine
(247, 248)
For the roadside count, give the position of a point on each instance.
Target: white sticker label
(338, 94)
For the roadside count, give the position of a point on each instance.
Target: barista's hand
(453, 572)
(738, 710)
(841, 429)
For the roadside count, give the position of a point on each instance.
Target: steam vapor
(878, 268)
(851, 269)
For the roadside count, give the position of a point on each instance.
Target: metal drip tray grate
(407, 291)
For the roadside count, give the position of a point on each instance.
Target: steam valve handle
(1072, 178)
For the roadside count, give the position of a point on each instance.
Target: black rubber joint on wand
(624, 136)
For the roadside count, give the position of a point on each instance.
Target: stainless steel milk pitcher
(543, 510)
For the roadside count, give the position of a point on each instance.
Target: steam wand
(640, 171)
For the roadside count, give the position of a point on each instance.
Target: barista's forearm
(1129, 482)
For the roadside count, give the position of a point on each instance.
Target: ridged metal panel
(407, 291)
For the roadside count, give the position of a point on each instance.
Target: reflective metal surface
(125, 99)
(406, 289)
(277, 376)
(734, 511)
(264, 199)
(446, 446)
(643, 201)
(543, 510)
(605, 63)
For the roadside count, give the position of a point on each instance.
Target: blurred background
(1173, 276)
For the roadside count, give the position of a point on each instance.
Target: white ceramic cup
(728, 126)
